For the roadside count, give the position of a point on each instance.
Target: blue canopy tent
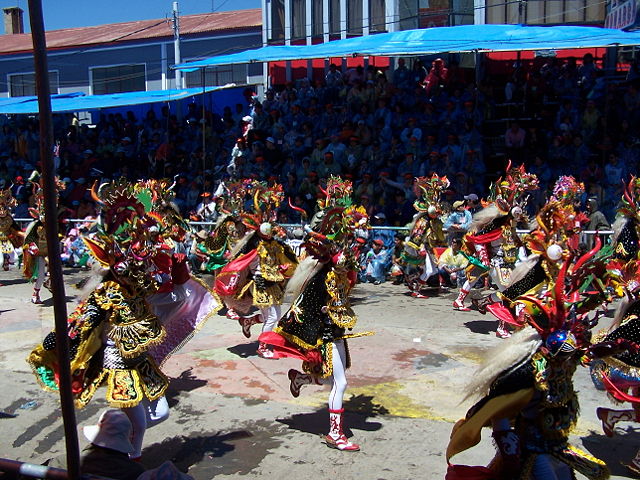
(79, 102)
(463, 38)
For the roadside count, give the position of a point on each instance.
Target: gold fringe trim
(297, 341)
(213, 293)
(116, 335)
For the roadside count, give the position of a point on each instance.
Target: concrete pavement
(232, 414)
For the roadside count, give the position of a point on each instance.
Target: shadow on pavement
(482, 326)
(188, 451)
(186, 382)
(245, 350)
(15, 281)
(49, 301)
(614, 451)
(357, 410)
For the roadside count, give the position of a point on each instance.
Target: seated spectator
(451, 265)
(458, 221)
(387, 236)
(376, 263)
(108, 453)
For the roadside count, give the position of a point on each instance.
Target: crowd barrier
(31, 470)
(292, 226)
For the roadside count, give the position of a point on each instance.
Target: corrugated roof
(218, 22)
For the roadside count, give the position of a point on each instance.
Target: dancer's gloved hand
(179, 268)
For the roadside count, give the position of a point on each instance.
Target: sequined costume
(320, 319)
(492, 232)
(258, 277)
(527, 393)
(11, 237)
(418, 257)
(556, 233)
(619, 375)
(35, 250)
(144, 308)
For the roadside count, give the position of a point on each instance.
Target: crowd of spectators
(380, 129)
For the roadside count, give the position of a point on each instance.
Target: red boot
(246, 324)
(298, 379)
(458, 303)
(336, 438)
(35, 298)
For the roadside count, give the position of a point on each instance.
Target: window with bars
(298, 19)
(354, 17)
(545, 12)
(118, 79)
(277, 20)
(217, 76)
(377, 16)
(334, 16)
(317, 19)
(24, 84)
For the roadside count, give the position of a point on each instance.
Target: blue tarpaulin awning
(463, 38)
(79, 102)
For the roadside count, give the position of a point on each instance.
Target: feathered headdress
(567, 190)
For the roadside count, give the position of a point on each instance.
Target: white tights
(270, 317)
(42, 273)
(143, 415)
(339, 378)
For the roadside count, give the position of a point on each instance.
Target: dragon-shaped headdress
(630, 203)
(37, 212)
(129, 239)
(266, 200)
(337, 193)
(510, 191)
(7, 202)
(427, 191)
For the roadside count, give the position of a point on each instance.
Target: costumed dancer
(555, 233)
(619, 375)
(35, 250)
(143, 308)
(527, 389)
(493, 228)
(11, 237)
(320, 319)
(216, 247)
(258, 277)
(425, 233)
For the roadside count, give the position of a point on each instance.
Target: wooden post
(53, 245)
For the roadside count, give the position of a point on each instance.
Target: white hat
(112, 431)
(166, 471)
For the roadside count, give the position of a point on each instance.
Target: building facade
(315, 21)
(131, 56)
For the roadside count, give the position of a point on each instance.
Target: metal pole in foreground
(53, 244)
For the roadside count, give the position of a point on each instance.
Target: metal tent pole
(51, 226)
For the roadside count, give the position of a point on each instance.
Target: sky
(82, 13)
